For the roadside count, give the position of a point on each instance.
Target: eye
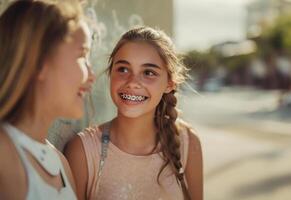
(150, 73)
(122, 69)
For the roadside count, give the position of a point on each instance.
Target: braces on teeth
(132, 97)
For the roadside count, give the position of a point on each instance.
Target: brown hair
(166, 113)
(29, 32)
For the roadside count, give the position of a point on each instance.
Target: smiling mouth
(135, 98)
(81, 94)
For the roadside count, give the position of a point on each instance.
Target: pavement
(246, 142)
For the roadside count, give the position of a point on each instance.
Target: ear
(170, 87)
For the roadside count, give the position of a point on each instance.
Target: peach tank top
(126, 176)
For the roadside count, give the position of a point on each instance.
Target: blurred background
(239, 97)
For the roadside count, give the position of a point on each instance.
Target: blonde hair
(166, 113)
(29, 32)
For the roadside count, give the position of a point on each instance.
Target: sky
(198, 24)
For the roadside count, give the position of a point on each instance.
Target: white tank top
(38, 189)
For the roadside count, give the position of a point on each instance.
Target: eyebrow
(151, 65)
(144, 65)
(121, 62)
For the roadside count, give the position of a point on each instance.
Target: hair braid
(166, 115)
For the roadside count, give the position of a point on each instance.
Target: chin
(131, 113)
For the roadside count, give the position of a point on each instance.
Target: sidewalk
(237, 167)
(246, 156)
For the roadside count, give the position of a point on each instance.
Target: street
(246, 143)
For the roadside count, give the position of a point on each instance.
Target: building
(263, 13)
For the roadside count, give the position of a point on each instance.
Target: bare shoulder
(9, 153)
(4, 146)
(11, 170)
(74, 146)
(194, 167)
(75, 153)
(194, 141)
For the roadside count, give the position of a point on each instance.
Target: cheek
(68, 81)
(76, 69)
(157, 89)
(157, 96)
(116, 82)
(157, 85)
(114, 86)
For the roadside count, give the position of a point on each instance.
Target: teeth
(133, 97)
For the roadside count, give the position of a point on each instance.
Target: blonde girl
(43, 75)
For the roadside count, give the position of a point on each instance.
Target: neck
(35, 126)
(134, 135)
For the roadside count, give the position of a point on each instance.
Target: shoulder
(74, 150)
(75, 144)
(4, 147)
(83, 142)
(81, 151)
(189, 135)
(11, 169)
(11, 159)
(187, 131)
(194, 166)
(191, 143)
(194, 142)
(75, 153)
(84, 145)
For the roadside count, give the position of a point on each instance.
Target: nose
(134, 81)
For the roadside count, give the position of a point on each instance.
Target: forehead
(139, 53)
(87, 33)
(81, 36)
(76, 44)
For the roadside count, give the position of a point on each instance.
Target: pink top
(129, 177)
